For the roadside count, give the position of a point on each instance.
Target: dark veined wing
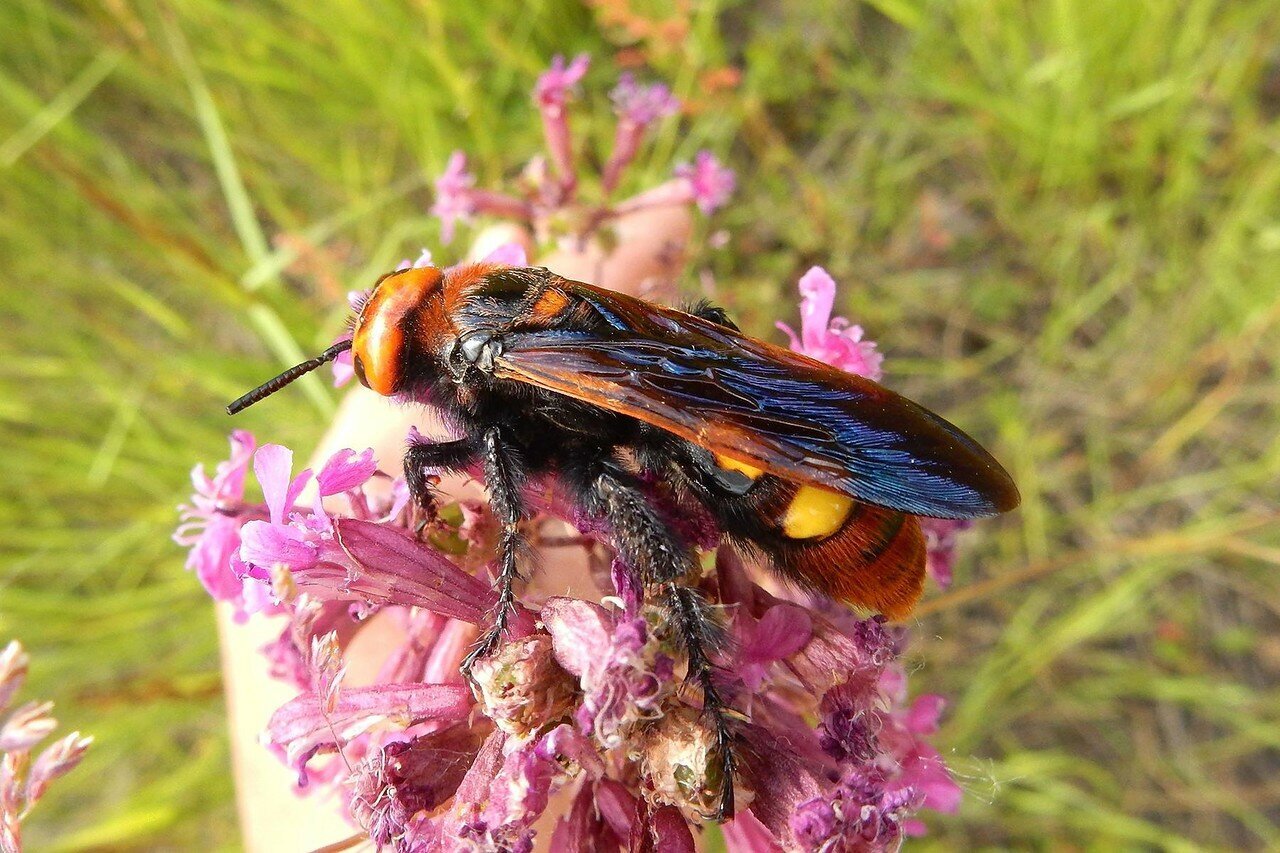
(762, 405)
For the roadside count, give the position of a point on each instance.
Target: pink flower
(454, 199)
(554, 85)
(211, 522)
(624, 677)
(831, 755)
(642, 105)
(830, 339)
(710, 183)
(941, 535)
(551, 94)
(405, 777)
(637, 107)
(305, 726)
(511, 254)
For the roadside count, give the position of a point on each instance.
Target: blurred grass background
(1060, 220)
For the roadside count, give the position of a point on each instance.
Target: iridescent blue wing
(760, 404)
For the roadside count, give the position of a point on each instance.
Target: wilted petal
(579, 630)
(302, 728)
(383, 565)
(27, 726)
(56, 760)
(522, 687)
(665, 831)
(777, 766)
(13, 671)
(473, 791)
(617, 806)
(406, 777)
(581, 829)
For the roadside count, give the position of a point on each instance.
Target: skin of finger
(647, 258)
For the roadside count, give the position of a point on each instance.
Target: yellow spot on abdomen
(752, 472)
(814, 513)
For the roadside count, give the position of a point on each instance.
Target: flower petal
(345, 471)
(579, 630)
(264, 545)
(302, 728)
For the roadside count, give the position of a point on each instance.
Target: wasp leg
(424, 456)
(504, 477)
(647, 545)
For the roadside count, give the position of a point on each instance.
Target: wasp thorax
(381, 343)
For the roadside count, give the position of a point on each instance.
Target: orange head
(396, 325)
(384, 333)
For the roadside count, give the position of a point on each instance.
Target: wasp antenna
(271, 386)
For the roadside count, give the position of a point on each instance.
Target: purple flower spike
(551, 94)
(830, 339)
(596, 701)
(638, 107)
(710, 183)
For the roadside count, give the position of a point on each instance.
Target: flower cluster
(584, 700)
(23, 781)
(548, 201)
(582, 695)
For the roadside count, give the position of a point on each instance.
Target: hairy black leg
(699, 633)
(504, 477)
(424, 456)
(656, 554)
